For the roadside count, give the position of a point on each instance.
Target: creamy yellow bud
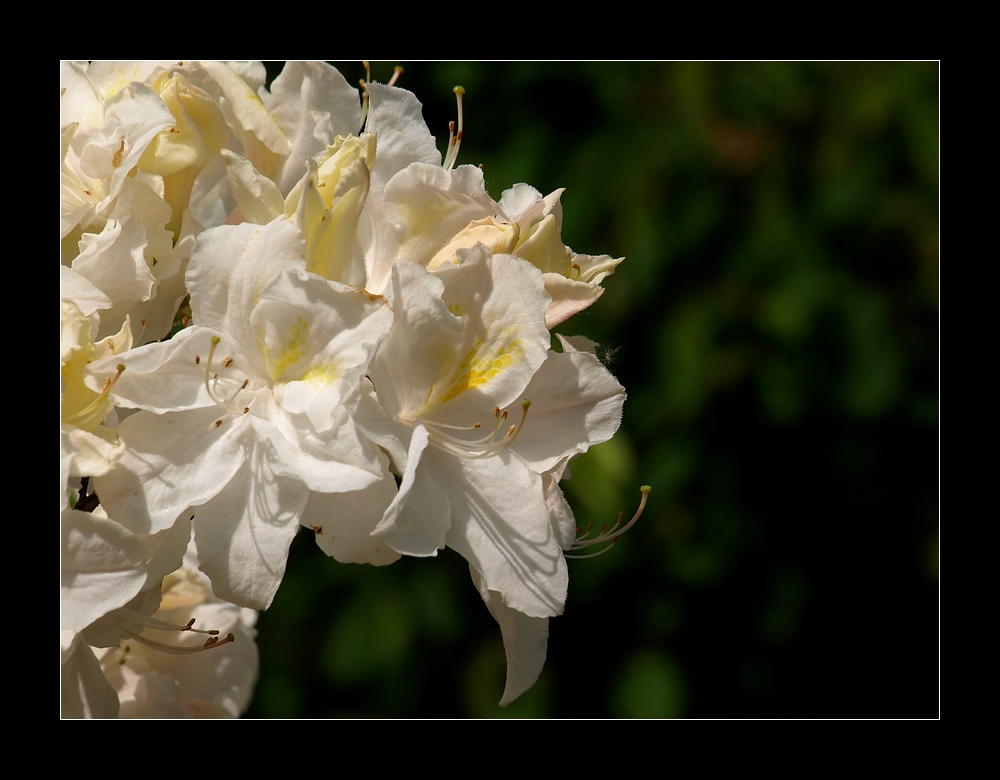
(340, 158)
(542, 246)
(179, 153)
(327, 204)
(82, 407)
(498, 237)
(199, 134)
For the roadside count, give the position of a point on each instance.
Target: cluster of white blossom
(365, 352)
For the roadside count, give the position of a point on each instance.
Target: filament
(493, 443)
(454, 138)
(97, 409)
(118, 616)
(607, 536)
(228, 403)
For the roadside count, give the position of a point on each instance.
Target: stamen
(212, 380)
(118, 617)
(609, 537)
(97, 409)
(162, 625)
(397, 72)
(364, 93)
(484, 447)
(454, 138)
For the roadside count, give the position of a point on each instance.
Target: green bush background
(775, 323)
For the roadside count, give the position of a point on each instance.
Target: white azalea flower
(161, 673)
(110, 582)
(422, 210)
(248, 410)
(88, 447)
(475, 410)
(299, 391)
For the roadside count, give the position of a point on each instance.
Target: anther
(197, 360)
(609, 537)
(227, 362)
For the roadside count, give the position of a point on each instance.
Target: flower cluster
(281, 308)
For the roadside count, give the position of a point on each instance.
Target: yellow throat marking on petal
(321, 375)
(290, 351)
(481, 364)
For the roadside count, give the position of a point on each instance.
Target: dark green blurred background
(775, 323)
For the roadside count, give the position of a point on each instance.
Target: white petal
(343, 523)
(244, 532)
(575, 403)
(525, 641)
(500, 524)
(418, 518)
(568, 297)
(86, 693)
(171, 462)
(103, 568)
(162, 377)
(424, 341)
(403, 138)
(313, 104)
(230, 267)
(77, 288)
(256, 195)
(114, 261)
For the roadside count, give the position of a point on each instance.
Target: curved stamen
(97, 409)
(212, 384)
(159, 625)
(162, 625)
(454, 138)
(609, 537)
(364, 93)
(487, 446)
